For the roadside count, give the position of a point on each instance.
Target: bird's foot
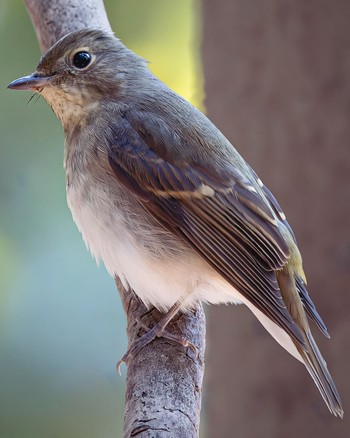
(158, 331)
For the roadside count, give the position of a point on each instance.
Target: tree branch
(52, 19)
(164, 381)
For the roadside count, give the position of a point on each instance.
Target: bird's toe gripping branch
(158, 331)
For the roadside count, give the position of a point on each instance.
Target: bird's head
(82, 68)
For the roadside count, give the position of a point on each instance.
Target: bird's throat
(70, 108)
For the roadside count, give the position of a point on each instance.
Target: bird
(168, 204)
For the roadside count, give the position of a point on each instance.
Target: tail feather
(310, 307)
(317, 368)
(299, 305)
(310, 356)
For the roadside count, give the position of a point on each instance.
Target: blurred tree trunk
(278, 85)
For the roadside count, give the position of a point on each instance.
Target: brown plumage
(166, 201)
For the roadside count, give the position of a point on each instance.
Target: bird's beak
(32, 82)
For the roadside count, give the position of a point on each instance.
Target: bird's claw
(147, 338)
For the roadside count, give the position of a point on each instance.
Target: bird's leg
(158, 331)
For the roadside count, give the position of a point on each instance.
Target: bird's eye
(81, 60)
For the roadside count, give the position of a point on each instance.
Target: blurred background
(277, 82)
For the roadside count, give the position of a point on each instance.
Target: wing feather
(225, 220)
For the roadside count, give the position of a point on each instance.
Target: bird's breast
(156, 264)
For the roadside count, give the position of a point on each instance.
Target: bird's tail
(317, 368)
(291, 280)
(310, 355)
(299, 305)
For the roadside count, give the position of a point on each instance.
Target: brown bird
(165, 200)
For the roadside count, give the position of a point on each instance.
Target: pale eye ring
(82, 59)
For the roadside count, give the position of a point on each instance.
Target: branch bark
(164, 381)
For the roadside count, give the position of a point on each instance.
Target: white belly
(148, 259)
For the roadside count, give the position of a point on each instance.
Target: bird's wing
(222, 216)
(300, 286)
